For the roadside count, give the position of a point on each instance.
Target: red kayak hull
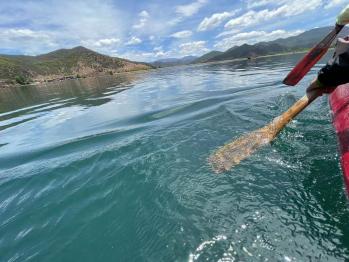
(339, 101)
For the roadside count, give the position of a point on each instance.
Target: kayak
(339, 102)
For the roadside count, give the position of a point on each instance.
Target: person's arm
(335, 73)
(316, 86)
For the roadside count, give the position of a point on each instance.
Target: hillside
(207, 57)
(250, 51)
(174, 61)
(300, 42)
(309, 38)
(60, 64)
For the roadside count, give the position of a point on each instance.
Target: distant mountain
(207, 57)
(60, 64)
(300, 42)
(309, 38)
(174, 61)
(250, 51)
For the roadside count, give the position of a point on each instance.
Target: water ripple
(111, 168)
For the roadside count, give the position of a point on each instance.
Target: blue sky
(155, 29)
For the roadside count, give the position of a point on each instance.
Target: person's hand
(315, 87)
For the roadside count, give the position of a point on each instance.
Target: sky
(149, 30)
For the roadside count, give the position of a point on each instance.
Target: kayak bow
(339, 102)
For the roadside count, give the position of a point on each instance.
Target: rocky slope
(61, 64)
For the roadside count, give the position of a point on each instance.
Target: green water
(115, 170)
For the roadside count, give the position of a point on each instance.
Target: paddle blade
(234, 152)
(315, 54)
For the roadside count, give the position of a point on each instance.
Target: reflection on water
(90, 173)
(80, 89)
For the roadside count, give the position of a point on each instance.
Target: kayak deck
(339, 102)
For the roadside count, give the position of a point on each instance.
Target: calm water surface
(115, 170)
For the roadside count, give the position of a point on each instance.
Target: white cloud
(214, 20)
(144, 56)
(106, 27)
(193, 48)
(153, 27)
(158, 48)
(144, 14)
(253, 37)
(162, 54)
(105, 46)
(156, 53)
(230, 32)
(139, 56)
(23, 34)
(139, 25)
(33, 42)
(182, 34)
(143, 19)
(134, 41)
(255, 4)
(159, 52)
(293, 8)
(175, 21)
(61, 24)
(334, 3)
(185, 11)
(107, 42)
(26, 39)
(190, 9)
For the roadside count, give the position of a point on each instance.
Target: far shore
(254, 58)
(65, 78)
(241, 59)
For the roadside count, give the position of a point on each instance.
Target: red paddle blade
(315, 54)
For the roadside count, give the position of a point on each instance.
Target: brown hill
(61, 64)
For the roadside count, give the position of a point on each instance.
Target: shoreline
(66, 78)
(252, 58)
(239, 59)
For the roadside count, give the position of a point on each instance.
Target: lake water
(115, 169)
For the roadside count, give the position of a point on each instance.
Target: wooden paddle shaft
(231, 154)
(281, 121)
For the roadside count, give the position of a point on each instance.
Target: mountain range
(174, 61)
(301, 42)
(82, 62)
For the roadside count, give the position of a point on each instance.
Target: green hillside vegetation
(60, 64)
(249, 51)
(301, 42)
(207, 57)
(82, 62)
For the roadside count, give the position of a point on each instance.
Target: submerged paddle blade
(233, 153)
(315, 54)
